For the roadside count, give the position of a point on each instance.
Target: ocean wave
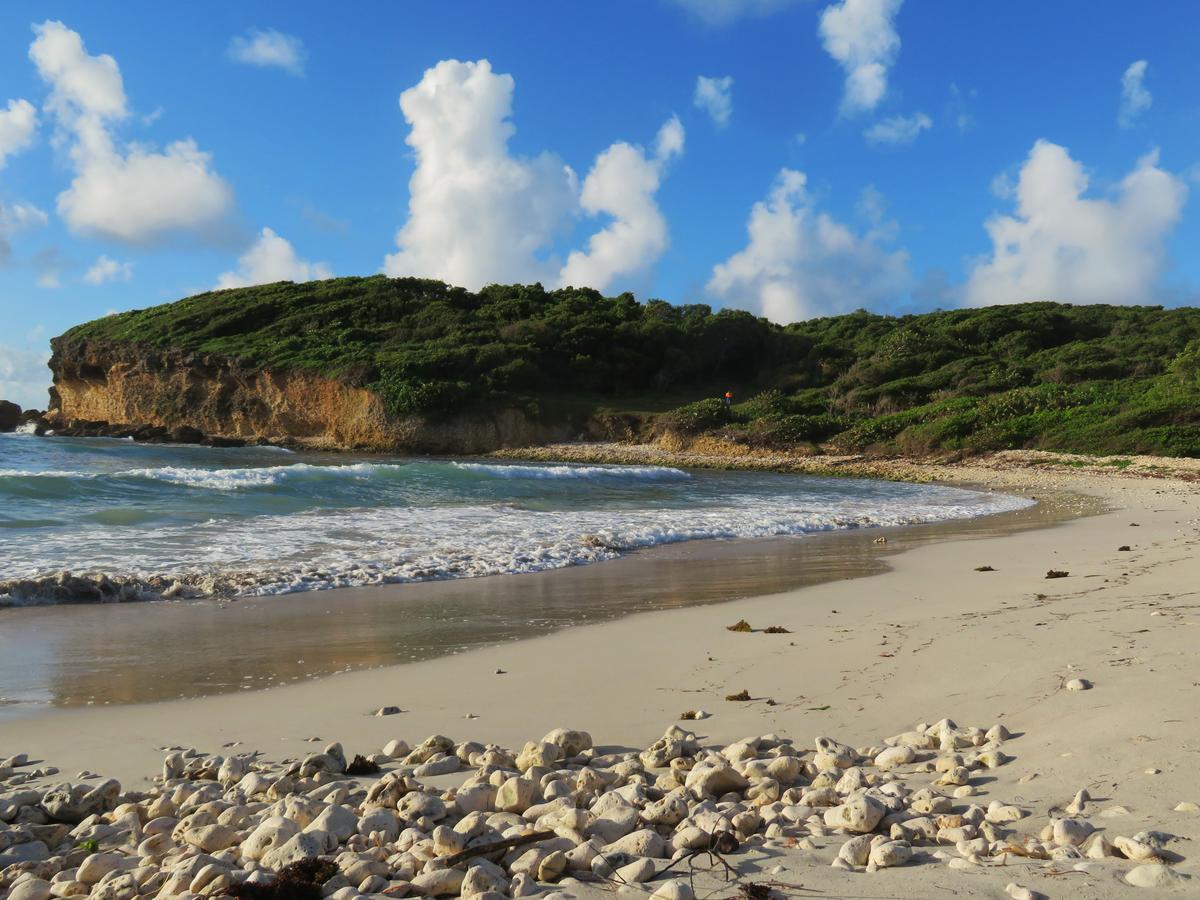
(253, 476)
(241, 478)
(318, 550)
(213, 479)
(639, 473)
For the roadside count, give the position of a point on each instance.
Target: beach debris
(387, 711)
(1187, 806)
(984, 569)
(741, 696)
(692, 715)
(1078, 684)
(739, 625)
(776, 629)
(880, 540)
(360, 765)
(501, 672)
(1124, 548)
(555, 811)
(1057, 573)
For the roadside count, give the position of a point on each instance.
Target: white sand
(929, 639)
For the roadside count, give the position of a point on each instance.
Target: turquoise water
(256, 521)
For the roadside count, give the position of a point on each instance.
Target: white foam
(215, 479)
(254, 476)
(325, 549)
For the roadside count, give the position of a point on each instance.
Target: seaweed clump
(299, 881)
(360, 765)
(739, 625)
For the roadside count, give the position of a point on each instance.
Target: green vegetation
(1087, 379)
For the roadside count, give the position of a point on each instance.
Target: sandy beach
(928, 637)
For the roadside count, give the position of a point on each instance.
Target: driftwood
(496, 847)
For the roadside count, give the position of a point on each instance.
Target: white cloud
(801, 263)
(24, 375)
(14, 219)
(861, 36)
(106, 269)
(271, 258)
(722, 12)
(18, 123)
(1061, 245)
(1135, 99)
(622, 184)
(714, 96)
(268, 48)
(476, 213)
(479, 215)
(898, 129)
(136, 195)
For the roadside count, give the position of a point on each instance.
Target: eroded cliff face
(128, 386)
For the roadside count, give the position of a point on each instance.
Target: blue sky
(867, 146)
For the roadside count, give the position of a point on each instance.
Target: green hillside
(1093, 379)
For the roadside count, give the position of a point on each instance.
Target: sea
(265, 521)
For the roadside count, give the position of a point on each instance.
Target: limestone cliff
(102, 387)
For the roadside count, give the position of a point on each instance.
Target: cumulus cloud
(714, 96)
(271, 258)
(14, 219)
(898, 129)
(269, 49)
(137, 194)
(1135, 99)
(476, 213)
(18, 123)
(623, 183)
(106, 269)
(800, 262)
(24, 375)
(1061, 245)
(722, 12)
(861, 36)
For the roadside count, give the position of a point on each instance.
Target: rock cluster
(505, 823)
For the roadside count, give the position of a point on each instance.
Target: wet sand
(79, 655)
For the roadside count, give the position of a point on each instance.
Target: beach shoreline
(928, 638)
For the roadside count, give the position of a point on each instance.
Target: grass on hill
(1090, 379)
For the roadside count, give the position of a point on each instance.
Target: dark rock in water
(186, 434)
(38, 419)
(10, 415)
(225, 442)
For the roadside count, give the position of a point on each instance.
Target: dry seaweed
(740, 697)
(776, 629)
(739, 625)
(299, 881)
(984, 569)
(1057, 573)
(360, 765)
